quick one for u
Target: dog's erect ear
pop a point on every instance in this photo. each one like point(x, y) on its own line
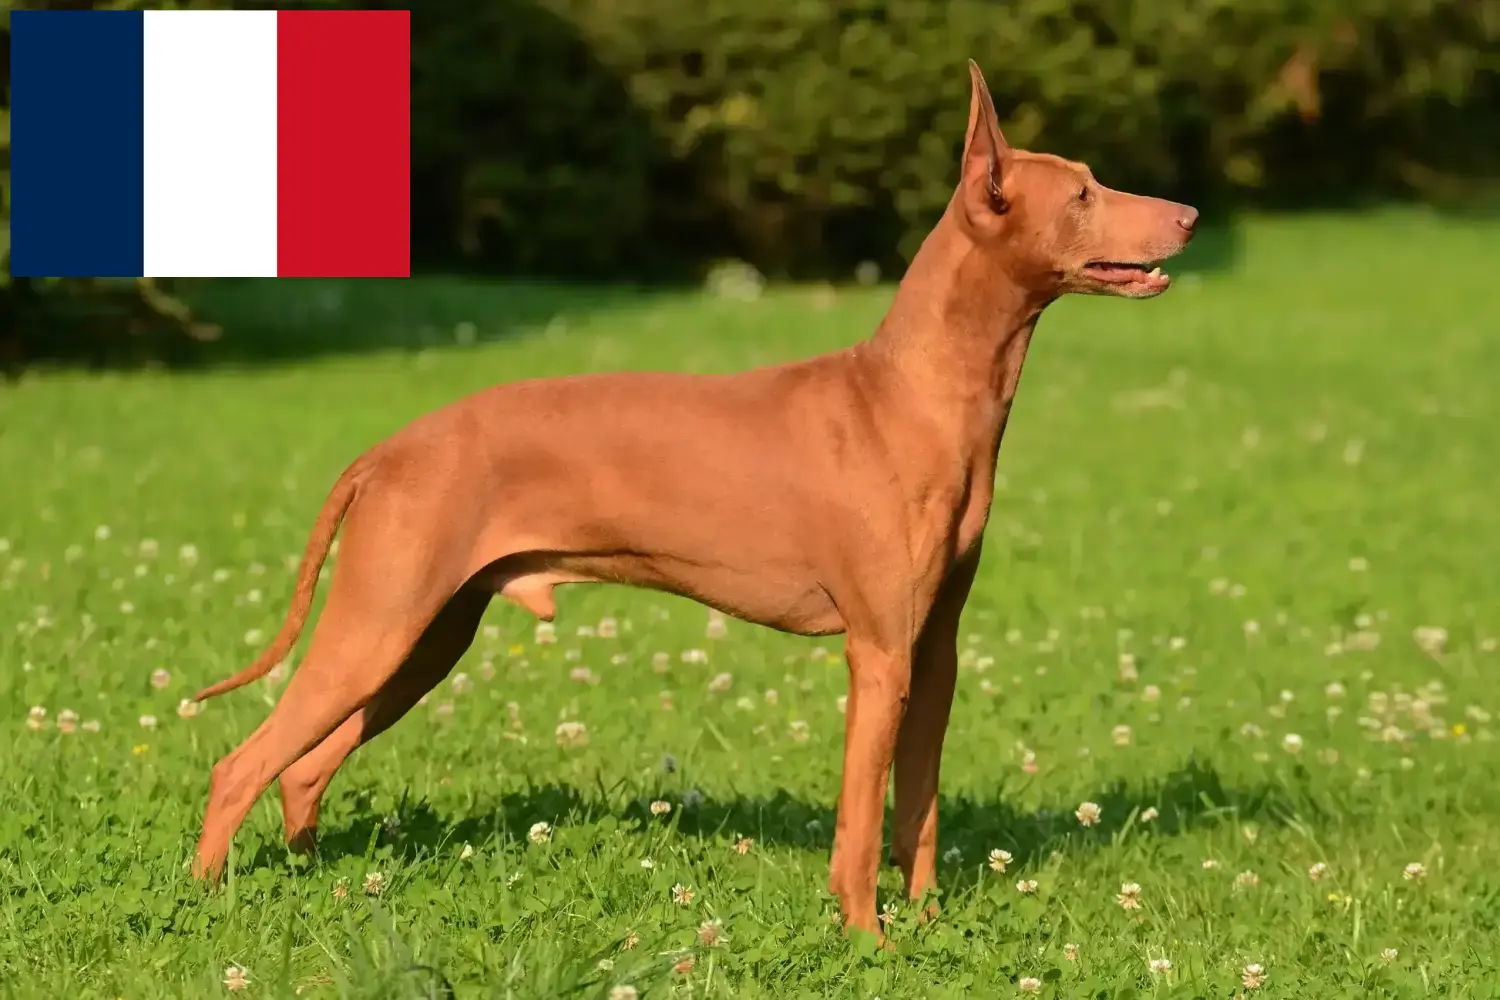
point(984, 153)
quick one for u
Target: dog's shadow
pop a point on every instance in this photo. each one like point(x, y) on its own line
point(1188, 798)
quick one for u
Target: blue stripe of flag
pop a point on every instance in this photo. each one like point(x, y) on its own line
point(77, 143)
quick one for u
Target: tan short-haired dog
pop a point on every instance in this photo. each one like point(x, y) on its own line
point(847, 493)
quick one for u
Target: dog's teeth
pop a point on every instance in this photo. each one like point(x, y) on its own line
point(1155, 273)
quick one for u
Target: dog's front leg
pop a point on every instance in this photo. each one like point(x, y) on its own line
point(879, 684)
point(919, 748)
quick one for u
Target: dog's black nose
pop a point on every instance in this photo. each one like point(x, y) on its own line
point(1187, 217)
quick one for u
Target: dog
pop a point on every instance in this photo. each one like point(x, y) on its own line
point(844, 494)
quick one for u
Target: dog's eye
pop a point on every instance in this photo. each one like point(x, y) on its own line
point(1083, 193)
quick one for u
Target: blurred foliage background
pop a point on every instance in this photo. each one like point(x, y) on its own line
point(646, 139)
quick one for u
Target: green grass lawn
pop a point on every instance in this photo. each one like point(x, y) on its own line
point(1241, 592)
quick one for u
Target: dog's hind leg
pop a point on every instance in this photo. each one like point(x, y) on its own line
point(386, 591)
point(431, 659)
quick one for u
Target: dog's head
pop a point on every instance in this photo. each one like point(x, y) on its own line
point(1049, 223)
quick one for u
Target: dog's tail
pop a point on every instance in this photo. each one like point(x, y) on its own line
point(318, 544)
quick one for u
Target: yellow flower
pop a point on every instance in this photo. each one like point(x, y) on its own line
point(139, 749)
point(1459, 729)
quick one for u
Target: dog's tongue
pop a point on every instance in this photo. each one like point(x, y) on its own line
point(1118, 272)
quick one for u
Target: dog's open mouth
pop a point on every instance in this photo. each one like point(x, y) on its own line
point(1136, 277)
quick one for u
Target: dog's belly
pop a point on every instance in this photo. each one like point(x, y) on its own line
point(785, 598)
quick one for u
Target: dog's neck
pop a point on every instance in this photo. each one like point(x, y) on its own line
point(958, 330)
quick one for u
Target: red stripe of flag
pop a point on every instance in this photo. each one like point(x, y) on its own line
point(343, 143)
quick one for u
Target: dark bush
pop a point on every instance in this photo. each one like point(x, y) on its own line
point(817, 130)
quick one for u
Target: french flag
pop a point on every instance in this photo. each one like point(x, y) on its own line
point(243, 143)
